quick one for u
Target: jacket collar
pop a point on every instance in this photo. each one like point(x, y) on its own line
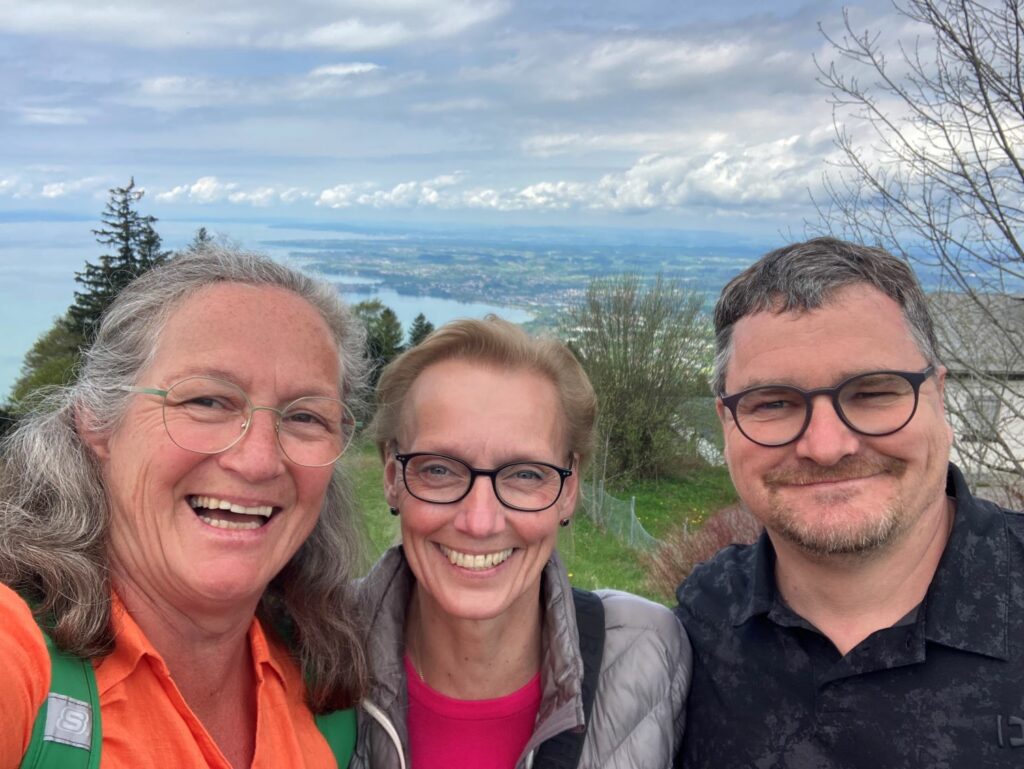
point(387, 590)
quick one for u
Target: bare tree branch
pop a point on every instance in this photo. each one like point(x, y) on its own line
point(930, 134)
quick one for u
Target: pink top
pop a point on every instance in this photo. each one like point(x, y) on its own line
point(446, 733)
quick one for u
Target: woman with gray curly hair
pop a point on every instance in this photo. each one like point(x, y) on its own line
point(177, 512)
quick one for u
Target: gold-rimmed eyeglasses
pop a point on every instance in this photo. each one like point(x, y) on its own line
point(210, 415)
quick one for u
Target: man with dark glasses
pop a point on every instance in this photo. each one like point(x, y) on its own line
point(879, 619)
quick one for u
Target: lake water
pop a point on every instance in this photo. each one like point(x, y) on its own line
point(38, 261)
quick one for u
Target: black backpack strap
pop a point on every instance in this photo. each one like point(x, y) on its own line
point(563, 751)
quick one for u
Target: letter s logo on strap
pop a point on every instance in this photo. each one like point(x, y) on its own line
point(68, 721)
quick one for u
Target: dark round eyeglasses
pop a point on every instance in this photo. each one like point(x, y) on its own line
point(875, 403)
point(528, 487)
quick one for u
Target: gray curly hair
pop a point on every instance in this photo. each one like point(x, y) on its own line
point(54, 514)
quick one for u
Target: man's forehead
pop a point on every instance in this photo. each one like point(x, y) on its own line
point(855, 299)
point(856, 329)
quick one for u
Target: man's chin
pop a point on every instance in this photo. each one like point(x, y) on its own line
point(835, 540)
point(835, 522)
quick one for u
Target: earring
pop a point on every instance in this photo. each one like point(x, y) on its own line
point(564, 522)
point(393, 510)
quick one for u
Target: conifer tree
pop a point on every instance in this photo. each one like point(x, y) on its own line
point(200, 240)
point(7, 421)
point(136, 248)
point(383, 334)
point(419, 329)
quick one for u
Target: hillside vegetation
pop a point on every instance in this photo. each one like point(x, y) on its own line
point(593, 557)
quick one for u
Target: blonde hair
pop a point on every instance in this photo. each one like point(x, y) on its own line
point(496, 342)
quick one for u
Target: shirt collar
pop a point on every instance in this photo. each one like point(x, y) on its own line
point(762, 586)
point(131, 645)
point(966, 603)
point(966, 606)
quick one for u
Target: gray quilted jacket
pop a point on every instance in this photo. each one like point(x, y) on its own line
point(639, 710)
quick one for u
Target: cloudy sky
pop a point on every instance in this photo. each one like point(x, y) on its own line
point(547, 112)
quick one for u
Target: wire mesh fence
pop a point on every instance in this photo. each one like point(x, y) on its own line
point(616, 516)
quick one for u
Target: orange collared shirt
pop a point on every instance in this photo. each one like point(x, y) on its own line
point(146, 722)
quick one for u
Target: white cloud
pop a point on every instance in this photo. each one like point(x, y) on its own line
point(295, 194)
point(340, 196)
point(271, 24)
point(756, 176)
point(705, 64)
point(344, 70)
point(210, 189)
point(51, 115)
point(428, 194)
point(354, 80)
point(718, 173)
point(14, 187)
point(261, 196)
point(471, 104)
point(207, 189)
point(553, 196)
point(643, 142)
point(447, 180)
point(352, 35)
point(53, 190)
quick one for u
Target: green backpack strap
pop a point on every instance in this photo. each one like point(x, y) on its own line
point(339, 729)
point(67, 733)
point(339, 726)
point(68, 727)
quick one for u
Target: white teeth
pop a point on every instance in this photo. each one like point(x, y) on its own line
point(475, 562)
point(212, 503)
point(229, 524)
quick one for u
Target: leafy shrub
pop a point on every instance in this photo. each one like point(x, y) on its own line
point(681, 549)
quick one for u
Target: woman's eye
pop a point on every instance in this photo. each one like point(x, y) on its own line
point(205, 401)
point(527, 475)
point(435, 470)
point(306, 418)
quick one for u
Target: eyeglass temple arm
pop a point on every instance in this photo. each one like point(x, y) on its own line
point(143, 390)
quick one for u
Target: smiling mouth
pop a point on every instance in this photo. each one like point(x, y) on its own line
point(475, 562)
point(222, 514)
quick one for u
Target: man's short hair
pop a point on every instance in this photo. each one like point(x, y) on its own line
point(805, 276)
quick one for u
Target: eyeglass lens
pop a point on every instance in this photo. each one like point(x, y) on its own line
point(872, 404)
point(210, 415)
point(529, 486)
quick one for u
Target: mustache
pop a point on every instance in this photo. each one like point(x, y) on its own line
point(846, 469)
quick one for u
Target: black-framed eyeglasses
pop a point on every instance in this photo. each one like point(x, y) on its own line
point(208, 415)
point(528, 487)
point(875, 403)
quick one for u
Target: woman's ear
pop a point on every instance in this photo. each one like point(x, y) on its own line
point(392, 478)
point(570, 490)
point(96, 440)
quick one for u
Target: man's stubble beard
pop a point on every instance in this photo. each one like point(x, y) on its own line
point(857, 537)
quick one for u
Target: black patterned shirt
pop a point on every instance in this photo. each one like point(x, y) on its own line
point(943, 689)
